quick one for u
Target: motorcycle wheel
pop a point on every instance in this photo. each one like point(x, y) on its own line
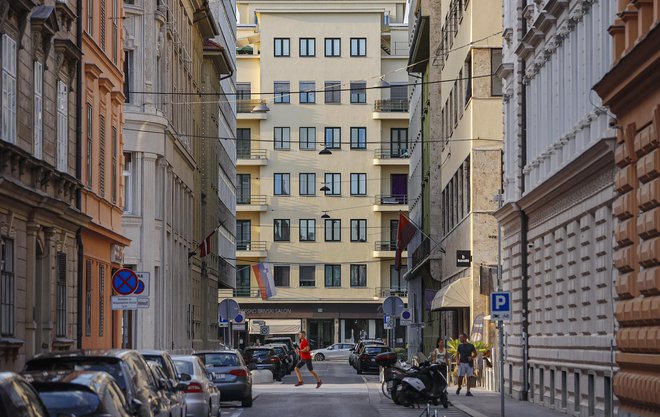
point(436, 401)
point(444, 400)
point(396, 396)
point(386, 390)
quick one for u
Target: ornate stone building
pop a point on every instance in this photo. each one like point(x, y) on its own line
point(40, 218)
point(631, 90)
point(557, 215)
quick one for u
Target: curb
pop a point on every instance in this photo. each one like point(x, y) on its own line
point(468, 410)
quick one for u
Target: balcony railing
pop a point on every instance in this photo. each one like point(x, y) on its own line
point(383, 245)
point(251, 153)
point(383, 292)
point(258, 200)
point(392, 199)
point(246, 106)
point(388, 153)
point(251, 245)
point(391, 106)
point(246, 292)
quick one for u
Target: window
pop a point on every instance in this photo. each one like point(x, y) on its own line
point(242, 281)
point(307, 276)
point(333, 137)
point(38, 109)
point(397, 282)
point(358, 46)
point(113, 183)
point(358, 230)
point(495, 81)
point(101, 299)
point(307, 47)
point(398, 142)
point(243, 188)
point(332, 47)
point(60, 295)
point(8, 120)
point(358, 184)
point(307, 184)
point(282, 184)
point(282, 47)
point(282, 92)
point(307, 138)
point(307, 230)
point(243, 143)
point(282, 138)
point(358, 138)
point(128, 185)
point(243, 91)
point(358, 92)
point(90, 144)
point(102, 156)
point(332, 230)
point(332, 92)
point(243, 234)
point(333, 275)
point(128, 75)
point(62, 126)
point(102, 20)
point(115, 40)
point(7, 287)
point(282, 230)
point(88, 297)
point(307, 94)
point(90, 17)
point(333, 181)
point(399, 91)
point(359, 275)
point(468, 79)
point(281, 275)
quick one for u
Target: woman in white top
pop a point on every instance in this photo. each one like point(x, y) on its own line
point(440, 354)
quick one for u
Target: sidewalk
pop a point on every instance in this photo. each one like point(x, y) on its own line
point(487, 404)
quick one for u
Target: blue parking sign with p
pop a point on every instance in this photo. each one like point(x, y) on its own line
point(500, 305)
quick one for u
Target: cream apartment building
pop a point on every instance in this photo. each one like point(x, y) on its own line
point(311, 118)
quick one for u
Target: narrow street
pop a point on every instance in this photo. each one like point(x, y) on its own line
point(343, 394)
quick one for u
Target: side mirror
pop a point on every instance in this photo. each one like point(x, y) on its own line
point(185, 377)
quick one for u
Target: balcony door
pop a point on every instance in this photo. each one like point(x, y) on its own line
point(394, 229)
point(398, 142)
point(399, 187)
point(243, 143)
point(243, 188)
point(242, 280)
point(243, 234)
point(398, 285)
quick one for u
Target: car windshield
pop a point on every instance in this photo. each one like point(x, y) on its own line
point(257, 353)
point(78, 403)
point(278, 350)
point(81, 364)
point(376, 349)
point(156, 358)
point(184, 367)
point(220, 359)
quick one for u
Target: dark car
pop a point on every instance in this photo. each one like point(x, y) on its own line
point(261, 357)
point(285, 356)
point(174, 388)
point(352, 359)
point(79, 393)
point(128, 368)
point(287, 341)
point(366, 361)
point(171, 397)
point(230, 375)
point(18, 398)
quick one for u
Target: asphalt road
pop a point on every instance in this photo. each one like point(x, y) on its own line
point(343, 394)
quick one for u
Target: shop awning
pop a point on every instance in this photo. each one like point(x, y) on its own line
point(276, 326)
point(458, 294)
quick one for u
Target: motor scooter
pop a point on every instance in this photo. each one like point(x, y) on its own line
point(426, 384)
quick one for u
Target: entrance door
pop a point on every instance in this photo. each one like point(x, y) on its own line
point(399, 187)
point(243, 188)
point(243, 235)
point(321, 333)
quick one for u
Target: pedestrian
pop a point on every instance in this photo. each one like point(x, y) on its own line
point(466, 353)
point(439, 354)
point(305, 359)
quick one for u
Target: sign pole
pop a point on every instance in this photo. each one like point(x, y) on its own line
point(500, 323)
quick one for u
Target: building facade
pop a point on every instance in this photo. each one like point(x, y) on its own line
point(164, 56)
point(557, 214)
point(102, 133)
point(40, 218)
point(631, 93)
point(322, 167)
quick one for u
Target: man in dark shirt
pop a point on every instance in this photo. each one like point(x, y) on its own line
point(466, 353)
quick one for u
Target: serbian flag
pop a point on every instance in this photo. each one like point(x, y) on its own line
point(265, 280)
point(404, 235)
point(205, 246)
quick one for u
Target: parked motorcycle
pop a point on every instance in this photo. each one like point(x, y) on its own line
point(428, 383)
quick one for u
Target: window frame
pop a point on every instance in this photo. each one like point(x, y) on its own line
point(494, 79)
point(283, 42)
point(309, 146)
point(282, 143)
point(361, 178)
point(335, 275)
point(300, 275)
point(8, 130)
point(359, 143)
point(7, 281)
point(304, 224)
point(358, 229)
point(38, 109)
point(128, 183)
point(307, 42)
point(332, 90)
point(307, 176)
point(305, 94)
point(335, 141)
point(334, 52)
point(281, 96)
point(334, 230)
point(286, 268)
point(361, 47)
point(62, 126)
point(285, 230)
point(360, 268)
point(358, 90)
point(282, 182)
point(335, 178)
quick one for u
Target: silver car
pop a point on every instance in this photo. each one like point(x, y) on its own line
point(336, 351)
point(202, 396)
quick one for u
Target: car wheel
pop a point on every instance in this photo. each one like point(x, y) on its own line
point(319, 357)
point(247, 402)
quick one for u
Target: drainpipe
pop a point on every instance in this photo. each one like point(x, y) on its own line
point(79, 240)
point(523, 240)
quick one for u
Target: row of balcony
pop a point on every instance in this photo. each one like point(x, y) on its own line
point(379, 292)
point(382, 202)
point(384, 249)
point(382, 156)
point(383, 109)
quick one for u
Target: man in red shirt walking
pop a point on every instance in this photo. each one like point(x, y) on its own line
point(305, 359)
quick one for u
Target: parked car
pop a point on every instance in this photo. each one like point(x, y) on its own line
point(128, 368)
point(263, 357)
point(230, 375)
point(336, 351)
point(175, 394)
point(352, 359)
point(285, 356)
point(287, 341)
point(18, 398)
point(79, 393)
point(202, 396)
point(171, 397)
point(366, 361)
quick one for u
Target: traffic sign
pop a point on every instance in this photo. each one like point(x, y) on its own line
point(388, 322)
point(393, 306)
point(264, 330)
point(120, 302)
point(500, 306)
point(239, 327)
point(227, 308)
point(240, 317)
point(406, 318)
point(125, 281)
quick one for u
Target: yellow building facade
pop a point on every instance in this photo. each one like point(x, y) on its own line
point(322, 167)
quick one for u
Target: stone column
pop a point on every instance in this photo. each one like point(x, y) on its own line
point(30, 316)
point(45, 286)
point(336, 332)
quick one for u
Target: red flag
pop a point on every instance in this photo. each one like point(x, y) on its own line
point(205, 246)
point(404, 235)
